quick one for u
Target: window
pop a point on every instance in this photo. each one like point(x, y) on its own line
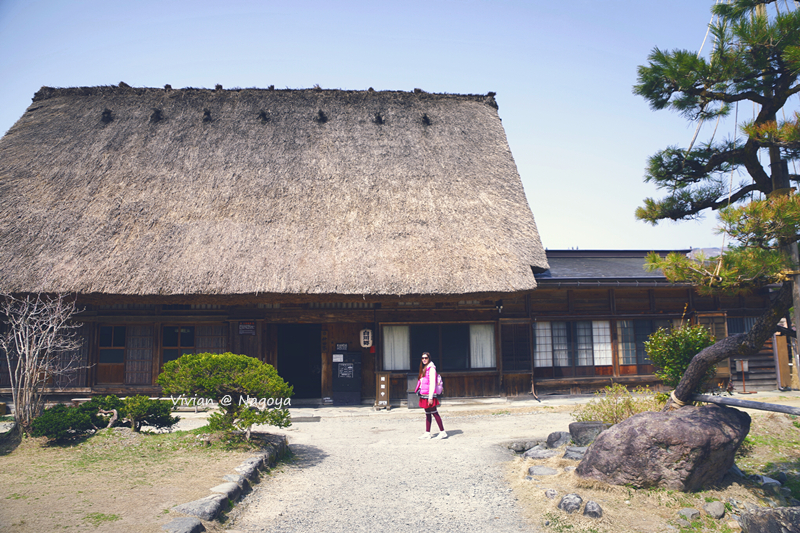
point(176, 341)
point(396, 348)
point(453, 347)
point(580, 348)
point(516, 347)
point(584, 343)
point(739, 325)
point(112, 345)
point(631, 335)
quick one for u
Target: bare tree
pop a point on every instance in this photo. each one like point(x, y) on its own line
point(41, 344)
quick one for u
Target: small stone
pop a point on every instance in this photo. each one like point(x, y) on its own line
point(575, 453)
point(184, 525)
point(683, 523)
point(538, 470)
point(551, 494)
point(569, 469)
point(735, 471)
point(782, 477)
point(539, 453)
point(557, 439)
point(517, 447)
point(734, 525)
point(583, 433)
point(570, 503)
point(750, 506)
point(689, 514)
point(715, 510)
point(592, 510)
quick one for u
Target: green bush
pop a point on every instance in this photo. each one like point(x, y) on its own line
point(142, 411)
point(248, 391)
point(672, 351)
point(615, 403)
point(61, 423)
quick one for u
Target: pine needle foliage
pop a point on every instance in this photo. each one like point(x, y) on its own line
point(756, 59)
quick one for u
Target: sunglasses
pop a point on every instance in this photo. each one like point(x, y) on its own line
point(424, 358)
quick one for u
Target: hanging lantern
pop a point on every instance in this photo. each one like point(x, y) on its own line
point(366, 338)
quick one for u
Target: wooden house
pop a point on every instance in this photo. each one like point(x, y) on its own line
point(282, 224)
point(593, 310)
point(275, 223)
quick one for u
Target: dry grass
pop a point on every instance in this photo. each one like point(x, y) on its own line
point(774, 445)
point(114, 481)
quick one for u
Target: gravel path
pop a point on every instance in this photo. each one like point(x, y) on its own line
point(368, 473)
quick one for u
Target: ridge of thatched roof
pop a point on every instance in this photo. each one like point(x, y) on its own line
point(142, 191)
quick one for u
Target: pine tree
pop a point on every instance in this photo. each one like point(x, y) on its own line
point(755, 61)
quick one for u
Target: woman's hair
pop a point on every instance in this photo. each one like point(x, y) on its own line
point(423, 365)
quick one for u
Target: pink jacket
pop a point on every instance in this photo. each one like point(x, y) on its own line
point(423, 385)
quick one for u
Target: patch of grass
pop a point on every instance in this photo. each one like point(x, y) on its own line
point(615, 403)
point(496, 413)
point(16, 496)
point(98, 518)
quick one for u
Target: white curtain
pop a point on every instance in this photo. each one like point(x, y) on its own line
point(481, 344)
point(543, 356)
point(601, 340)
point(396, 348)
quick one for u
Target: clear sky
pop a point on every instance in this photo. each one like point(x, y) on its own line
point(562, 71)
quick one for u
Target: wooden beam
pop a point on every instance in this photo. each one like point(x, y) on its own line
point(746, 404)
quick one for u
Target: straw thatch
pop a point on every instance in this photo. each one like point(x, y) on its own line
point(119, 190)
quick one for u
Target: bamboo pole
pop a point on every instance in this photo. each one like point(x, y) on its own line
point(746, 404)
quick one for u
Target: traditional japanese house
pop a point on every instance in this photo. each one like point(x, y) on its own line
point(276, 223)
point(594, 309)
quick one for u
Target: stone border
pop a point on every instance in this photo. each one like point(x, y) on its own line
point(226, 494)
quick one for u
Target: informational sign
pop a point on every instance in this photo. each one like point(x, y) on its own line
point(346, 370)
point(342, 346)
point(338, 357)
point(247, 328)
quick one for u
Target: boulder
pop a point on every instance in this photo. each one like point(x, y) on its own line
point(583, 433)
point(780, 520)
point(570, 503)
point(557, 439)
point(679, 450)
point(592, 510)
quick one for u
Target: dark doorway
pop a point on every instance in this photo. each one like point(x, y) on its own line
point(300, 358)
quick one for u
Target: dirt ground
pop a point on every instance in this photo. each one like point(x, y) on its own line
point(116, 481)
point(119, 481)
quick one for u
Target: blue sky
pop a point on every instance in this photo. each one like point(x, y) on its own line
point(562, 71)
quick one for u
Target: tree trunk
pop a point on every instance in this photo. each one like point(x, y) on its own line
point(740, 345)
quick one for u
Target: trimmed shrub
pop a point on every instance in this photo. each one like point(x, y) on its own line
point(248, 391)
point(61, 423)
point(142, 411)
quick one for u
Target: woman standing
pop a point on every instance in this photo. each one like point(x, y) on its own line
point(426, 388)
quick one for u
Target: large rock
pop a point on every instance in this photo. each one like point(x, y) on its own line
point(583, 433)
point(679, 450)
point(781, 520)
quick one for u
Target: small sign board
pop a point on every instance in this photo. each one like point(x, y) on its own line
point(346, 370)
point(342, 346)
point(338, 357)
point(247, 328)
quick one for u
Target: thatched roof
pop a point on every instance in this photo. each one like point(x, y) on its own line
point(129, 191)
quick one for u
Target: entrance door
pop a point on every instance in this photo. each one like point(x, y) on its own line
point(300, 358)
